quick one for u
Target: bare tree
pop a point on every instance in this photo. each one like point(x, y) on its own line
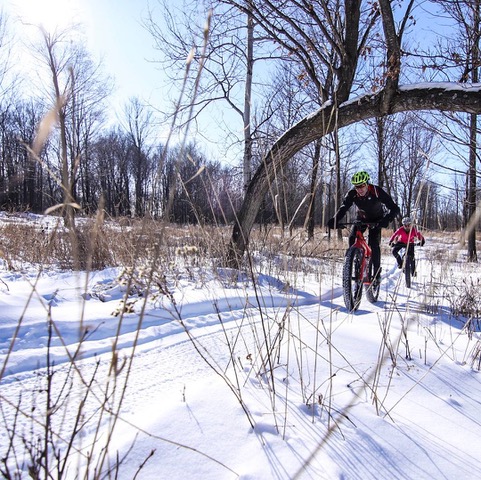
point(76, 91)
point(55, 53)
point(460, 53)
point(110, 158)
point(25, 116)
point(7, 82)
point(233, 50)
point(139, 128)
point(86, 117)
point(415, 146)
point(469, 13)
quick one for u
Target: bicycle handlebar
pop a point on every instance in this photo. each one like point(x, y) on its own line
point(358, 223)
point(415, 244)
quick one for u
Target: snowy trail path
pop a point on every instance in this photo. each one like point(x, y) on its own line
point(68, 302)
point(431, 400)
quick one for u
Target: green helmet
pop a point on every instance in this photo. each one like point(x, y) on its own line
point(360, 177)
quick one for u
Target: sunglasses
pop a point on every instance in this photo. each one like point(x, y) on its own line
point(358, 187)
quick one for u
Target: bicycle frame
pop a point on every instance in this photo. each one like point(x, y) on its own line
point(408, 262)
point(361, 243)
point(356, 270)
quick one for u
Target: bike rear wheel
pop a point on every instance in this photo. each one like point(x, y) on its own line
point(372, 291)
point(352, 279)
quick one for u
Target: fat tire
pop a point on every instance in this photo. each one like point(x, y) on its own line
point(408, 271)
point(351, 278)
point(372, 291)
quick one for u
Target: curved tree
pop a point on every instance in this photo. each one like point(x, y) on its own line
point(349, 35)
point(440, 97)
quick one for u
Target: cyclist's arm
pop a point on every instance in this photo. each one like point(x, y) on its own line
point(391, 205)
point(395, 237)
point(345, 206)
point(420, 238)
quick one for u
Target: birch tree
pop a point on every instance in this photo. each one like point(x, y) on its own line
point(465, 51)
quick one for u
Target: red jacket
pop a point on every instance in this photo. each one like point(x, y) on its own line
point(401, 235)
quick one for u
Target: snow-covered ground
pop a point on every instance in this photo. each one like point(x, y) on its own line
point(220, 377)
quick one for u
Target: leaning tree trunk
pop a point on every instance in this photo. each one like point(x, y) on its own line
point(442, 97)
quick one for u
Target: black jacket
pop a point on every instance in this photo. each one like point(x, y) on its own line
point(373, 207)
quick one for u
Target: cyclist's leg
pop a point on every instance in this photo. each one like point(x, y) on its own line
point(395, 252)
point(374, 242)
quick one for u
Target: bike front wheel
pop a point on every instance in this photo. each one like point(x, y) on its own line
point(352, 278)
point(372, 291)
point(408, 270)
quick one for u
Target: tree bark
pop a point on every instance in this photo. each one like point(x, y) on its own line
point(311, 211)
point(471, 193)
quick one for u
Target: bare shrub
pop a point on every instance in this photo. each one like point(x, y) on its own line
point(56, 419)
point(466, 300)
point(24, 243)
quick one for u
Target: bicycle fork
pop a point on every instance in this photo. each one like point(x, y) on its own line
point(366, 256)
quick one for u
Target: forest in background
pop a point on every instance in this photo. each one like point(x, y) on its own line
point(421, 158)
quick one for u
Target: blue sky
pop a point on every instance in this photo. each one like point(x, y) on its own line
point(115, 35)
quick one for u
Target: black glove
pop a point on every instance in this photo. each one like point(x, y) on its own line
point(391, 244)
point(423, 242)
point(330, 222)
point(385, 221)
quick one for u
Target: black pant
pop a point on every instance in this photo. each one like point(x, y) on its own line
point(395, 251)
point(374, 241)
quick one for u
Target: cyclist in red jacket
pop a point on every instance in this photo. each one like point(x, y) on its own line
point(406, 235)
point(374, 206)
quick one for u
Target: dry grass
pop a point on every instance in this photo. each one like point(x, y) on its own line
point(121, 242)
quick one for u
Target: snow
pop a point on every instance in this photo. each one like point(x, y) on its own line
point(446, 86)
point(389, 392)
point(453, 86)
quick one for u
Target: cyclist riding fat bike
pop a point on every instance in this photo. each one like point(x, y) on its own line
point(405, 236)
point(375, 206)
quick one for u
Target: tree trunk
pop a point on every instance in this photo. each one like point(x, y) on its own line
point(472, 255)
point(338, 175)
point(247, 101)
point(471, 193)
point(311, 211)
